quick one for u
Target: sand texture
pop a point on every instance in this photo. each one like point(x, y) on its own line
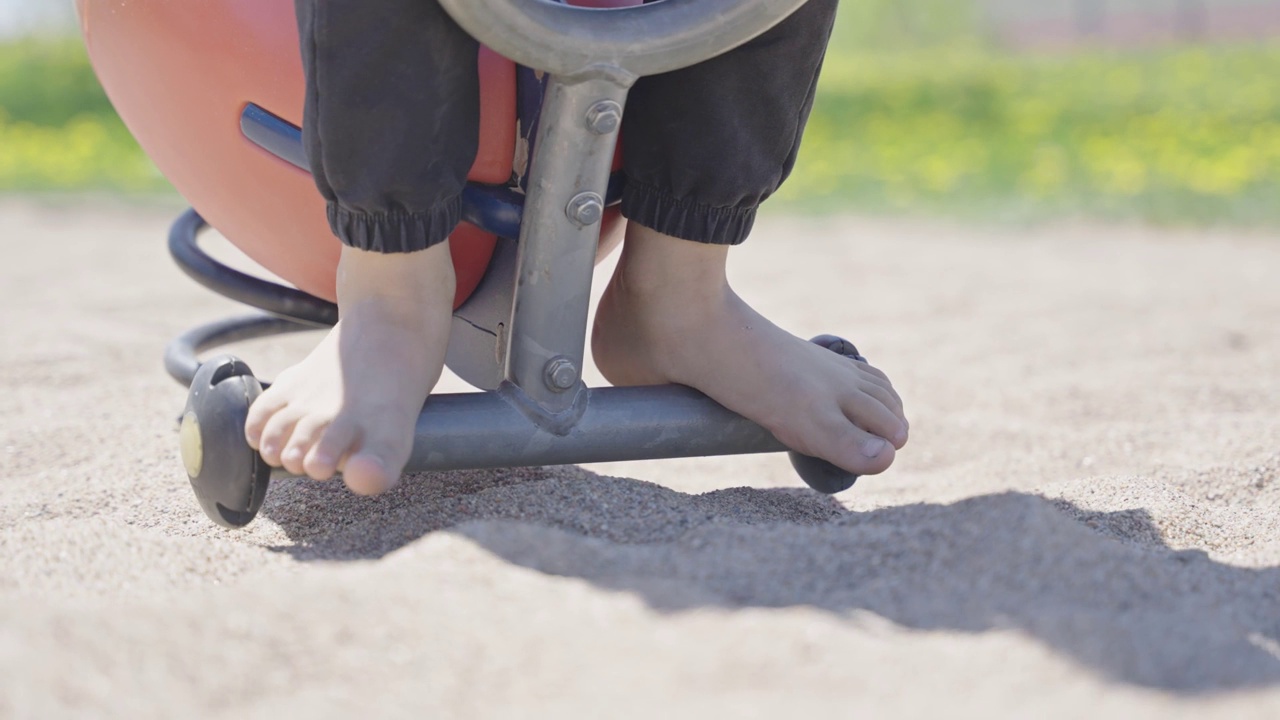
point(1086, 522)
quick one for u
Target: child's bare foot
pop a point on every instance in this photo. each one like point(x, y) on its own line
point(669, 315)
point(351, 405)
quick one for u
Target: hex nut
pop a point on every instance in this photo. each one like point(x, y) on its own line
point(585, 208)
point(561, 374)
point(604, 117)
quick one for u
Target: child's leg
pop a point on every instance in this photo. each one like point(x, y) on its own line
point(704, 146)
point(390, 128)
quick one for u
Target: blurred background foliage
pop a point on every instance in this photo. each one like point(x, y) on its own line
point(959, 108)
point(924, 107)
point(57, 129)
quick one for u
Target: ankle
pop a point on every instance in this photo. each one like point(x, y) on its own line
point(423, 279)
point(662, 268)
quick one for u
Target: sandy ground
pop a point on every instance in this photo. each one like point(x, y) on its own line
point(1084, 523)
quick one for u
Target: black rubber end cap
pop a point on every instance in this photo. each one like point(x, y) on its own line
point(821, 475)
point(229, 478)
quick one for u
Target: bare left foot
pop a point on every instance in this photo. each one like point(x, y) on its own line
point(352, 404)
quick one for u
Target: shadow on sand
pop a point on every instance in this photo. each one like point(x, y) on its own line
point(1101, 588)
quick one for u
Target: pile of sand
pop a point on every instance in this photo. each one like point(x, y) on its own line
point(1087, 517)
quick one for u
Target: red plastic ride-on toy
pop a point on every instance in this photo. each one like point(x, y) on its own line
point(213, 92)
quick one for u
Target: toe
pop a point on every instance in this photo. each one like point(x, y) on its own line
point(260, 412)
point(373, 470)
point(858, 451)
point(875, 454)
point(876, 373)
point(367, 474)
point(869, 376)
point(321, 463)
point(305, 434)
point(275, 436)
point(832, 437)
point(894, 405)
point(871, 414)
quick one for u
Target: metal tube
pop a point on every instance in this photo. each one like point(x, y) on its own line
point(644, 40)
point(480, 430)
point(277, 299)
point(558, 241)
point(181, 355)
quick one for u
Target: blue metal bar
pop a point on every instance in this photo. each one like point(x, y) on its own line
point(494, 209)
point(275, 135)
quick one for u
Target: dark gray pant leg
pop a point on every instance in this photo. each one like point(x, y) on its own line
point(704, 146)
point(391, 124)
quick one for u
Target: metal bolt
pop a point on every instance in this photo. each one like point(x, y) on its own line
point(604, 117)
point(585, 208)
point(561, 374)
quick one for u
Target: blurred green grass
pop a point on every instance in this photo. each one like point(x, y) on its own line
point(1185, 135)
point(916, 113)
point(58, 132)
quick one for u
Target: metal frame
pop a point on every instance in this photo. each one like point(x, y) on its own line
point(522, 333)
point(593, 56)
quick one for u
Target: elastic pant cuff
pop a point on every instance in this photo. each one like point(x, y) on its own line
point(684, 218)
point(395, 231)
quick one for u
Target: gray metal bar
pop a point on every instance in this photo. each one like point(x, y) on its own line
point(558, 239)
point(644, 40)
point(480, 430)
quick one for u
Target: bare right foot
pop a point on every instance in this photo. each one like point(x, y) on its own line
point(352, 404)
point(669, 316)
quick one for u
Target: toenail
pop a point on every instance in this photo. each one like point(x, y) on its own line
point(872, 447)
point(326, 459)
point(901, 437)
point(268, 449)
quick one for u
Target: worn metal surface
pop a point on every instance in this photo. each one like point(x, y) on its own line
point(644, 40)
point(478, 430)
point(558, 240)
